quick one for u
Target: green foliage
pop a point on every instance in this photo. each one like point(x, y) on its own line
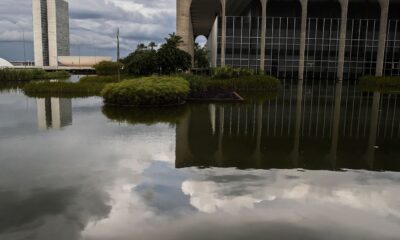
point(147, 91)
point(230, 72)
point(56, 75)
point(245, 83)
point(200, 57)
point(148, 116)
point(105, 68)
point(381, 84)
point(171, 59)
point(141, 62)
point(102, 79)
point(58, 89)
point(30, 74)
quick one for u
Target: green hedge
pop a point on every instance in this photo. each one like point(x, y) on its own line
point(103, 79)
point(148, 116)
point(58, 89)
point(230, 72)
point(106, 68)
point(30, 74)
point(383, 84)
point(245, 83)
point(147, 91)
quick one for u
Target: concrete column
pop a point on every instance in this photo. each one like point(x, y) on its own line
point(336, 125)
point(373, 130)
point(263, 34)
point(37, 33)
point(344, 4)
point(382, 37)
point(223, 33)
point(52, 32)
point(294, 155)
point(184, 25)
point(303, 33)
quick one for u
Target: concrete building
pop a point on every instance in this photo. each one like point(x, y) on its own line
point(81, 61)
point(297, 39)
point(50, 31)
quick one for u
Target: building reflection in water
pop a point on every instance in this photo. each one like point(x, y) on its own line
point(54, 113)
point(322, 126)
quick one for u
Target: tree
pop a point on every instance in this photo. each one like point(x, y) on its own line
point(152, 45)
point(200, 57)
point(141, 47)
point(105, 68)
point(141, 62)
point(170, 58)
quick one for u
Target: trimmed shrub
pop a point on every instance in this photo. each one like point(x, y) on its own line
point(106, 68)
point(147, 91)
point(383, 84)
point(102, 79)
point(57, 75)
point(248, 83)
point(230, 72)
point(57, 89)
point(30, 74)
point(148, 116)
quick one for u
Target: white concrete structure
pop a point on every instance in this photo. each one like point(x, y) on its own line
point(4, 63)
point(50, 31)
point(81, 61)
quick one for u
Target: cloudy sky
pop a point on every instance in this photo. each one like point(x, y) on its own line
point(93, 25)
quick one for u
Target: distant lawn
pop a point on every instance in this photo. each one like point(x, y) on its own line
point(62, 89)
point(23, 75)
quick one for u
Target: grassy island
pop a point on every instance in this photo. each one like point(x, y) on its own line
point(147, 91)
point(381, 84)
point(62, 89)
point(23, 75)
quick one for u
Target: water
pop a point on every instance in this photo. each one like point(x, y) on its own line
point(316, 162)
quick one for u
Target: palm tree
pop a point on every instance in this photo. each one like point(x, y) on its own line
point(174, 40)
point(152, 45)
point(141, 47)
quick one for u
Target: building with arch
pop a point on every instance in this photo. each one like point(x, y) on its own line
point(297, 39)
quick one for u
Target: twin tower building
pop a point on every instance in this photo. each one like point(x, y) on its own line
point(297, 39)
point(50, 31)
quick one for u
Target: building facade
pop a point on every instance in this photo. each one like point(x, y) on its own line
point(297, 39)
point(50, 31)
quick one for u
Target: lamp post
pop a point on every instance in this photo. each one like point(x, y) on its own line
point(23, 39)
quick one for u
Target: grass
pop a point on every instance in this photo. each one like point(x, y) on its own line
point(244, 83)
point(148, 116)
point(103, 79)
point(21, 75)
point(381, 84)
point(62, 89)
point(147, 91)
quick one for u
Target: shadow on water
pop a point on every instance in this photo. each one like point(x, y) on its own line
point(148, 116)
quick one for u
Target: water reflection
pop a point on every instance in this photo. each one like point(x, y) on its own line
point(53, 113)
point(326, 126)
point(112, 174)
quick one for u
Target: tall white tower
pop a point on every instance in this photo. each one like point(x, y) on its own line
point(50, 31)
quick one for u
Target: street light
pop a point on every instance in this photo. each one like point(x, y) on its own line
point(23, 39)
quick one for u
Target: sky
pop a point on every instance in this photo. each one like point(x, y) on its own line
point(93, 25)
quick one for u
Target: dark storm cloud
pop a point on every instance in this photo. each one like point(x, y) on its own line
point(93, 24)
